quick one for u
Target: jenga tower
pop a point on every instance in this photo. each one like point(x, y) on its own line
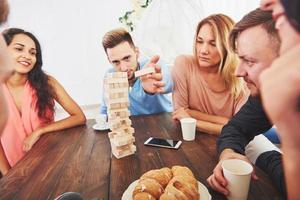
point(116, 96)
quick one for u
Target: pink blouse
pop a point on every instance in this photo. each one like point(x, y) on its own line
point(20, 124)
point(191, 91)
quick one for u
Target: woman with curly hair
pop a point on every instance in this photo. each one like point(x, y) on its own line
point(31, 94)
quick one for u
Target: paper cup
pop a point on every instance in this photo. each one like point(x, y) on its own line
point(101, 119)
point(188, 127)
point(238, 175)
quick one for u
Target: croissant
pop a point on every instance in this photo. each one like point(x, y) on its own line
point(143, 196)
point(177, 183)
point(163, 175)
point(183, 185)
point(179, 170)
point(149, 186)
point(181, 190)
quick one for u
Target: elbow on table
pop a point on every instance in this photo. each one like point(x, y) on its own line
point(80, 119)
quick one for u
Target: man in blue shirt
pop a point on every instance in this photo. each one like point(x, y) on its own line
point(147, 94)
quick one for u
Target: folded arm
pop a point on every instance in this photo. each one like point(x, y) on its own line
point(205, 123)
point(75, 118)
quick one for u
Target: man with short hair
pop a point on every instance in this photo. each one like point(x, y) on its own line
point(257, 44)
point(147, 94)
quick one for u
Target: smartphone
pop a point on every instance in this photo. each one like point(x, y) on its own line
point(166, 143)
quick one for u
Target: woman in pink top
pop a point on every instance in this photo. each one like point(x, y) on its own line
point(30, 96)
point(205, 86)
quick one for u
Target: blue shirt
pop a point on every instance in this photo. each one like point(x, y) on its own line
point(143, 103)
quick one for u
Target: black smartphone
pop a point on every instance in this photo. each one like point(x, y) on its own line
point(166, 143)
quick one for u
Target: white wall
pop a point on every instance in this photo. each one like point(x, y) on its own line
point(70, 33)
point(236, 9)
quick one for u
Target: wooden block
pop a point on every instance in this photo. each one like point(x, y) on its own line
point(108, 86)
point(118, 100)
point(115, 135)
point(125, 84)
point(117, 106)
point(125, 104)
point(115, 81)
point(116, 111)
point(114, 114)
point(119, 95)
point(123, 130)
point(121, 141)
point(116, 90)
point(119, 123)
point(121, 148)
point(116, 75)
point(121, 154)
point(114, 106)
point(144, 71)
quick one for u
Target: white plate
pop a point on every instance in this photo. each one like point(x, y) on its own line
point(99, 127)
point(203, 191)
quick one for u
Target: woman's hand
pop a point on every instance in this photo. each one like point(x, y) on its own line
point(31, 139)
point(180, 113)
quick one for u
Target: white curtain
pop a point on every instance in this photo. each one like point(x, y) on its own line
point(167, 28)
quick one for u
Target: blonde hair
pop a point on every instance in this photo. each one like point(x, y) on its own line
point(221, 26)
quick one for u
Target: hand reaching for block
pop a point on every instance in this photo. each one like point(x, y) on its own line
point(151, 77)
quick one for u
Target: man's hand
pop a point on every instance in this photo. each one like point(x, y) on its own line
point(180, 113)
point(152, 83)
point(280, 92)
point(217, 180)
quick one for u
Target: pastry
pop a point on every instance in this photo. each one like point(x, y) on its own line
point(150, 186)
point(163, 175)
point(177, 183)
point(180, 170)
point(143, 196)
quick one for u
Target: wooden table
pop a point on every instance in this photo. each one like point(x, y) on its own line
point(79, 159)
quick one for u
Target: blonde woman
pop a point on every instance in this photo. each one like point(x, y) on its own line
point(205, 85)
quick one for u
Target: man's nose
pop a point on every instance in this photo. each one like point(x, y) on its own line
point(240, 71)
point(124, 67)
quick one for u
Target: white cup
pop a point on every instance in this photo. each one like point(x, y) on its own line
point(101, 119)
point(238, 175)
point(188, 127)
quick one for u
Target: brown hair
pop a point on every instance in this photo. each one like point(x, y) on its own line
point(3, 11)
point(221, 26)
point(254, 18)
point(115, 37)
